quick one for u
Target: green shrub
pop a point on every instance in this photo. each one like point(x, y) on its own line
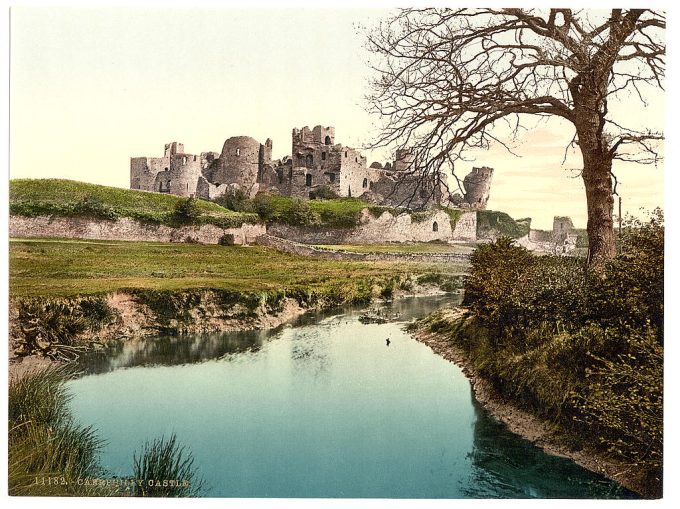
point(186, 211)
point(236, 200)
point(623, 401)
point(582, 349)
point(491, 223)
point(323, 193)
point(263, 205)
point(301, 214)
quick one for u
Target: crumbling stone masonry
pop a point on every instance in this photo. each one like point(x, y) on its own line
point(316, 162)
point(477, 185)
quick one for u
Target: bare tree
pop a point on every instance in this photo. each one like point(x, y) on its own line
point(447, 78)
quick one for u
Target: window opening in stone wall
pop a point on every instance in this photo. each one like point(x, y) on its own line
point(308, 180)
point(365, 184)
point(328, 140)
point(435, 227)
point(310, 160)
point(194, 158)
point(238, 151)
point(323, 156)
point(345, 153)
point(184, 161)
point(331, 177)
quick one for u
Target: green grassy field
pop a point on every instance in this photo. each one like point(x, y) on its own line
point(32, 197)
point(72, 267)
point(405, 247)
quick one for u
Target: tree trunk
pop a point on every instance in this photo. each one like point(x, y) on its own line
point(600, 202)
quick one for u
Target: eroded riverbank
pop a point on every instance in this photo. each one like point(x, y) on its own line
point(41, 326)
point(540, 432)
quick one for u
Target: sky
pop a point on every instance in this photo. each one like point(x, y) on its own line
point(92, 87)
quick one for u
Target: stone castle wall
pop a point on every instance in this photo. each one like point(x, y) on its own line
point(298, 249)
point(127, 229)
point(385, 228)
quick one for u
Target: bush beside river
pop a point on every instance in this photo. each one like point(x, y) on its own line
point(583, 351)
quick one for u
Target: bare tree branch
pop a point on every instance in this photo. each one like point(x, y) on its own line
point(447, 78)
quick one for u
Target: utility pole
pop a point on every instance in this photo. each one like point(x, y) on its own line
point(620, 223)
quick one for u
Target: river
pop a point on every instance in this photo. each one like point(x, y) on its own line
point(322, 407)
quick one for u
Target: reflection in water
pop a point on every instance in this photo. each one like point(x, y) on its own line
point(309, 356)
point(319, 408)
point(505, 465)
point(173, 350)
point(178, 350)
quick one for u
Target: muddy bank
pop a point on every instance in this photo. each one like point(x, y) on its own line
point(36, 341)
point(540, 432)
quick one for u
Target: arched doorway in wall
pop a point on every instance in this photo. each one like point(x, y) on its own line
point(327, 141)
point(308, 180)
point(365, 183)
point(435, 226)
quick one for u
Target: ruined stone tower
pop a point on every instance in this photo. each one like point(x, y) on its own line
point(240, 163)
point(477, 184)
point(404, 160)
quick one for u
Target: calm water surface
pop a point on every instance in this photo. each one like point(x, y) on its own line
point(322, 408)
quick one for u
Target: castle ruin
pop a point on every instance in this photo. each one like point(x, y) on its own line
point(477, 185)
point(316, 162)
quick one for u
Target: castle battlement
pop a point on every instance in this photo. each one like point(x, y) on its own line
point(316, 162)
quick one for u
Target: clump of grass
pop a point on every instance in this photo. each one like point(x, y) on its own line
point(167, 470)
point(445, 282)
point(49, 452)
point(45, 442)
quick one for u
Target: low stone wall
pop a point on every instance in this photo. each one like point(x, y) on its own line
point(298, 249)
point(127, 229)
point(386, 228)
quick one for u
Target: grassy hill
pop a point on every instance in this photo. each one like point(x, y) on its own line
point(34, 197)
point(333, 213)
